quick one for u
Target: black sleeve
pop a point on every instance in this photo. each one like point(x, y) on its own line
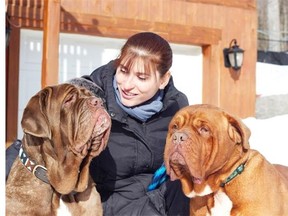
point(11, 154)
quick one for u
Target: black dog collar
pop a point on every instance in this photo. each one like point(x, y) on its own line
point(37, 170)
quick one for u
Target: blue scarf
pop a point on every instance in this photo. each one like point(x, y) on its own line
point(144, 111)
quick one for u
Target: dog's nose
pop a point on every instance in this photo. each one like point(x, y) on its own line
point(97, 102)
point(179, 137)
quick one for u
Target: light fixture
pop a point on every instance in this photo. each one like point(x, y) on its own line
point(233, 56)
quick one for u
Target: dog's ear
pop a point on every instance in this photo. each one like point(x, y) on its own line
point(238, 131)
point(34, 120)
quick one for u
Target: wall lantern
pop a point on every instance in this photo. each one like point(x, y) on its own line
point(233, 56)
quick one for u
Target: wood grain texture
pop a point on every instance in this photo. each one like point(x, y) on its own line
point(50, 56)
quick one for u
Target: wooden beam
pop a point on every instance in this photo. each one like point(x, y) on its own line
point(245, 4)
point(211, 75)
point(12, 85)
point(117, 27)
point(91, 24)
point(50, 56)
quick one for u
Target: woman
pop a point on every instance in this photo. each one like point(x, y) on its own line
point(141, 100)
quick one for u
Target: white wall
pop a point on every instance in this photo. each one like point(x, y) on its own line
point(187, 71)
point(80, 55)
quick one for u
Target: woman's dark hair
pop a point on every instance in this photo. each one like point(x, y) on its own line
point(154, 50)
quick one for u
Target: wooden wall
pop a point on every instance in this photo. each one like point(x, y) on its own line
point(211, 24)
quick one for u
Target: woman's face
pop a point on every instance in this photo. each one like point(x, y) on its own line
point(136, 85)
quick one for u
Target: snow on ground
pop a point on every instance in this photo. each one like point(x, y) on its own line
point(271, 79)
point(270, 137)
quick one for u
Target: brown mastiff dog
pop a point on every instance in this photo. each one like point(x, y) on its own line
point(208, 150)
point(64, 128)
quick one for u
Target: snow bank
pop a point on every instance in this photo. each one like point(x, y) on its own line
point(270, 137)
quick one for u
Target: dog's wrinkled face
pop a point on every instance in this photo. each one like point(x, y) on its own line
point(197, 135)
point(70, 126)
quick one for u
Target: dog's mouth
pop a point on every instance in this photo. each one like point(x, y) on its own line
point(100, 134)
point(180, 169)
point(98, 139)
point(94, 135)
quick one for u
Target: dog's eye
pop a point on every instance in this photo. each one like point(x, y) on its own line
point(204, 130)
point(174, 126)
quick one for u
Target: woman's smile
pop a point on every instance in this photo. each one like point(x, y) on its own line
point(127, 95)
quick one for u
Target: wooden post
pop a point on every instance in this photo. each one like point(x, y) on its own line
point(50, 56)
point(12, 85)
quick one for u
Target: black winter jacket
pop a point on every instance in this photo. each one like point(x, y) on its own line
point(124, 169)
